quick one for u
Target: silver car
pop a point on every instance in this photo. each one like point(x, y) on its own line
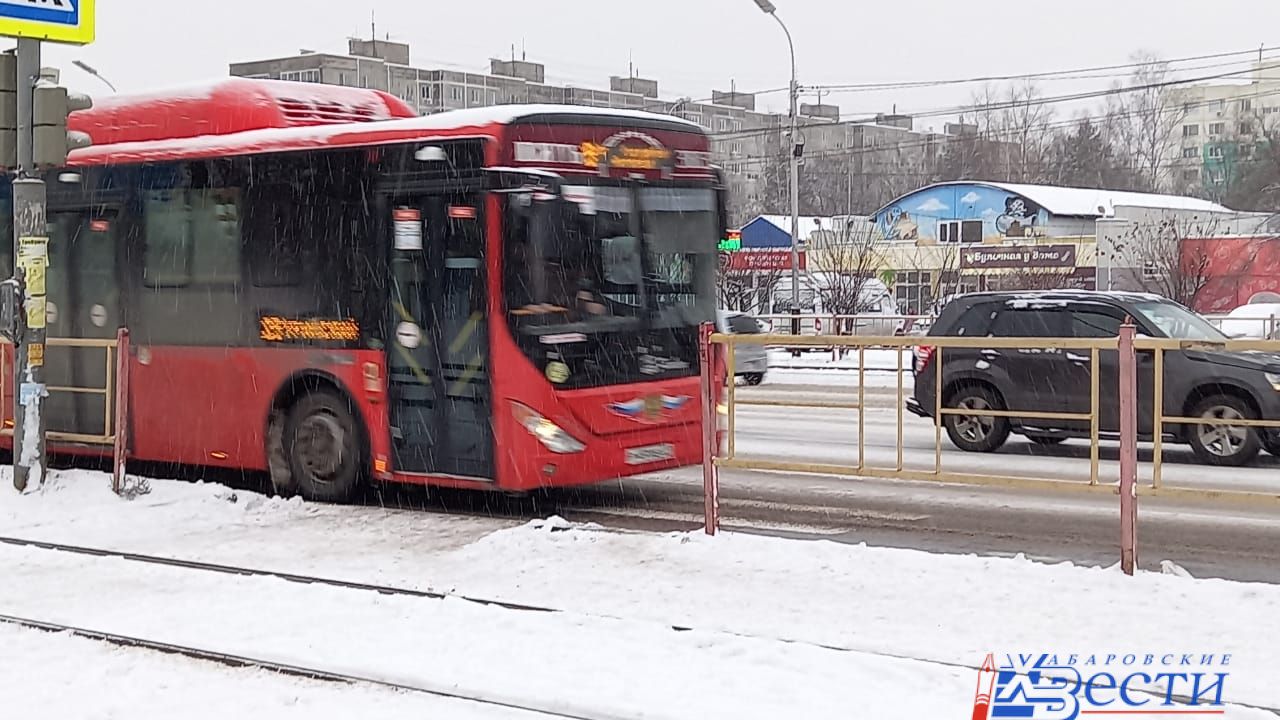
point(750, 362)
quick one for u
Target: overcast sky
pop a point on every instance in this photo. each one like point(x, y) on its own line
point(689, 46)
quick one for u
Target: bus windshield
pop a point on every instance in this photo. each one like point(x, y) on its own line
point(611, 281)
point(615, 258)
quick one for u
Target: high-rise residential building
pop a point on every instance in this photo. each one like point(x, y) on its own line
point(1218, 126)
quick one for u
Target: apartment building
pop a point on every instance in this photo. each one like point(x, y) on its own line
point(1220, 125)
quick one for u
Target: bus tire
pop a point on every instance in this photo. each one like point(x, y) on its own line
point(322, 444)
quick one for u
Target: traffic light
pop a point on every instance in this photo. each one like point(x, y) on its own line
point(51, 104)
point(8, 111)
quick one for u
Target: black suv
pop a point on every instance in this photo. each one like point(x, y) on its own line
point(1198, 382)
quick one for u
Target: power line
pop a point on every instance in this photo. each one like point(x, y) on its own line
point(989, 136)
point(1045, 74)
point(1012, 104)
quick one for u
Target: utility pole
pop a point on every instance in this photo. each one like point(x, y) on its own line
point(795, 150)
point(33, 135)
point(31, 251)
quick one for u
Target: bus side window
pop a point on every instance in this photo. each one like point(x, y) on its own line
point(192, 233)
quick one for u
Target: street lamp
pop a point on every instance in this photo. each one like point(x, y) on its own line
point(768, 8)
point(87, 68)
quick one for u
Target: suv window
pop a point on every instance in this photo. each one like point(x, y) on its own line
point(1094, 324)
point(975, 321)
point(1028, 322)
point(743, 325)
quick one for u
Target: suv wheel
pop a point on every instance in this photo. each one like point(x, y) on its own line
point(1230, 445)
point(976, 433)
point(754, 378)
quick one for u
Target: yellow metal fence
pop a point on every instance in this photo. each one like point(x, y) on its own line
point(109, 348)
point(726, 454)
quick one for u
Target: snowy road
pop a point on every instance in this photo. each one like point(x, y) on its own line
point(773, 628)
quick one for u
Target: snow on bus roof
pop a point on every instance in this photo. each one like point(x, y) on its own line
point(511, 113)
point(451, 124)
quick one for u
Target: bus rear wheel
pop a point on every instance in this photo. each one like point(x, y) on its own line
point(322, 444)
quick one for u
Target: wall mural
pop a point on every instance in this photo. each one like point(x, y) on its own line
point(931, 214)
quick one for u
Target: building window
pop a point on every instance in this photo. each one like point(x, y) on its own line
point(913, 291)
point(1190, 152)
point(960, 231)
point(455, 92)
point(1215, 152)
point(311, 76)
point(1150, 271)
point(1190, 130)
point(474, 96)
point(1217, 128)
point(1246, 152)
point(1246, 105)
point(424, 91)
point(1222, 105)
point(1246, 128)
point(1191, 176)
point(735, 148)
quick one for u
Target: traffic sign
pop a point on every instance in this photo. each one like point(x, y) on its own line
point(63, 21)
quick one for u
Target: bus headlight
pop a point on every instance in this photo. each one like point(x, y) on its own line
point(552, 436)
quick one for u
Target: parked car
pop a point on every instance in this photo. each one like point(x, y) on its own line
point(750, 362)
point(1201, 383)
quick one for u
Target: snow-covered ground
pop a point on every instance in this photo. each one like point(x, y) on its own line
point(782, 628)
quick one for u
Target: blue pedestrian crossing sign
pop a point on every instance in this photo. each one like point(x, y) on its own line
point(61, 21)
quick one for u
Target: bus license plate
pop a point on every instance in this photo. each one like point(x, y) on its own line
point(650, 454)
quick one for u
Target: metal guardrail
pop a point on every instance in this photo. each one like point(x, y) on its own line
point(1266, 327)
point(717, 352)
point(721, 353)
point(820, 324)
point(115, 393)
point(902, 344)
point(1159, 346)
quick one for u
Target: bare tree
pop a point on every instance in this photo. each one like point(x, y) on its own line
point(1152, 117)
point(1157, 257)
point(842, 262)
point(744, 289)
point(1032, 278)
point(1255, 185)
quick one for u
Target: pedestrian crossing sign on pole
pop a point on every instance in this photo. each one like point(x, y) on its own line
point(61, 21)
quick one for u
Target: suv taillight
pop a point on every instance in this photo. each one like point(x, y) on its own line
point(924, 353)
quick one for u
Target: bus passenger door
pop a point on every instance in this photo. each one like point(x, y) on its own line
point(437, 349)
point(84, 303)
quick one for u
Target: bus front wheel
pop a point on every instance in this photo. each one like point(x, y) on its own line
point(322, 444)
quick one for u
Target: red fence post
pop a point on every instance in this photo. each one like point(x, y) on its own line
point(710, 424)
point(121, 449)
point(1128, 449)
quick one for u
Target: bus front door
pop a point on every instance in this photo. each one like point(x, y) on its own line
point(83, 302)
point(437, 345)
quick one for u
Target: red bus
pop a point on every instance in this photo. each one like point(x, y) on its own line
point(319, 285)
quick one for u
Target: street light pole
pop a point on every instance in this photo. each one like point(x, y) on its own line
point(87, 68)
point(794, 166)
